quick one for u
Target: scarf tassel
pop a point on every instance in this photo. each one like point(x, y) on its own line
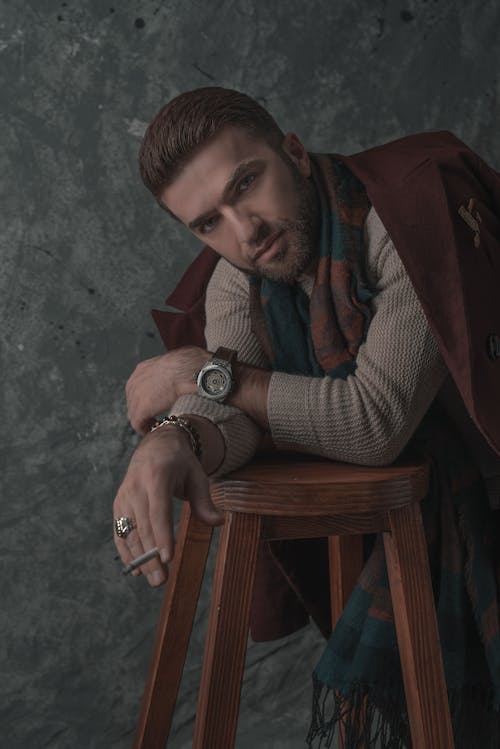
point(370, 719)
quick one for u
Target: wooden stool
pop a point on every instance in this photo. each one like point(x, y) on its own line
point(276, 498)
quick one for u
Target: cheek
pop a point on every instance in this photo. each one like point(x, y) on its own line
point(224, 242)
point(279, 197)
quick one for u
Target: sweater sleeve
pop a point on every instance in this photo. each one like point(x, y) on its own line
point(228, 324)
point(369, 417)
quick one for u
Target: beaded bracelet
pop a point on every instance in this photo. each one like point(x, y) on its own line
point(178, 421)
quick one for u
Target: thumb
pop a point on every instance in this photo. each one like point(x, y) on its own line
point(145, 425)
point(198, 494)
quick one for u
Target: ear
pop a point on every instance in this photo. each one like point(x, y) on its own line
point(293, 146)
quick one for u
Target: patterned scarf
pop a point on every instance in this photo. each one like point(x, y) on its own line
point(358, 690)
point(321, 336)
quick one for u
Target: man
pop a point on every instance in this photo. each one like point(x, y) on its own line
point(315, 334)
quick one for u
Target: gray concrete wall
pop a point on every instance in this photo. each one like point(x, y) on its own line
point(85, 253)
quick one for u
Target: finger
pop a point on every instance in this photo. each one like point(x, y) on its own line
point(162, 522)
point(145, 425)
point(122, 548)
point(138, 545)
point(121, 510)
point(125, 554)
point(131, 387)
point(134, 410)
point(134, 544)
point(154, 570)
point(139, 413)
point(136, 385)
point(140, 422)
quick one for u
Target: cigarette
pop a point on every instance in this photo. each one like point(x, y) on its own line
point(135, 563)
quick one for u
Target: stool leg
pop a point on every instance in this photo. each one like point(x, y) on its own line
point(173, 631)
point(345, 555)
point(229, 620)
point(417, 630)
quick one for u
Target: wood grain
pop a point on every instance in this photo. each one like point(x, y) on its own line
point(274, 487)
point(319, 526)
point(272, 499)
point(417, 631)
point(173, 631)
point(227, 635)
point(345, 554)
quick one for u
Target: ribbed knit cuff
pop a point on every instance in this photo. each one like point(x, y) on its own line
point(241, 435)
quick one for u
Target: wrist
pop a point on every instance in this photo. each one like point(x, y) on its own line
point(183, 424)
point(215, 380)
point(250, 394)
point(168, 440)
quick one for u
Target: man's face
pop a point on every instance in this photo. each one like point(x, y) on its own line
point(255, 207)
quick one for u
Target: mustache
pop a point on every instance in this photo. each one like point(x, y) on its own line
point(265, 231)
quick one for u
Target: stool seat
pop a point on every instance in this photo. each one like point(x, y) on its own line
point(288, 485)
point(293, 496)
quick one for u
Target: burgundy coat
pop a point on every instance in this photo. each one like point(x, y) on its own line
point(441, 206)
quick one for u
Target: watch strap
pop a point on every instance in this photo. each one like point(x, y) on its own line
point(226, 354)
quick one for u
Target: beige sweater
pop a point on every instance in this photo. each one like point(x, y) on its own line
point(367, 418)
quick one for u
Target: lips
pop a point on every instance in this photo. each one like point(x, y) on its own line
point(270, 248)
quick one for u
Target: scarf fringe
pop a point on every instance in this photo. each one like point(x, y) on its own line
point(371, 719)
point(362, 720)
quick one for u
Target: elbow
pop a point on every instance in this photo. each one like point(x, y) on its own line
point(384, 450)
point(379, 449)
point(381, 458)
point(373, 453)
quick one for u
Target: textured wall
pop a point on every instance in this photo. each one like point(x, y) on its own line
point(85, 254)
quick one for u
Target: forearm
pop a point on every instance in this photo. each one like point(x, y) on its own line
point(349, 420)
point(370, 416)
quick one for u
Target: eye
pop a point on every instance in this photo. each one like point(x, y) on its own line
point(207, 226)
point(246, 182)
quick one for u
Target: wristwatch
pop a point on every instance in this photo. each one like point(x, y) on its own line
point(215, 380)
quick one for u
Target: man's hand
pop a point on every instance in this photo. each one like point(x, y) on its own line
point(156, 383)
point(163, 466)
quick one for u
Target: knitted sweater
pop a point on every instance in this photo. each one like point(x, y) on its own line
point(369, 417)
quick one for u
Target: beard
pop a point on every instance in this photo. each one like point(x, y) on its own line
point(301, 235)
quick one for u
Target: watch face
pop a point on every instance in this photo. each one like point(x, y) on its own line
point(215, 382)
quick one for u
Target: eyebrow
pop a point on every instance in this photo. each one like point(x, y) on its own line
point(228, 188)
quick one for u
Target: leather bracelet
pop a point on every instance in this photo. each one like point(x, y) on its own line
point(181, 423)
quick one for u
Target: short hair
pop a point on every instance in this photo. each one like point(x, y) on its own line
point(184, 125)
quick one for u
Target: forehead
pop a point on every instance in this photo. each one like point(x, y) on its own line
point(202, 180)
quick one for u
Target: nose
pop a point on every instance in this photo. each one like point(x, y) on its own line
point(249, 228)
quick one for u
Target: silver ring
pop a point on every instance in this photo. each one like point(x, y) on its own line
point(123, 526)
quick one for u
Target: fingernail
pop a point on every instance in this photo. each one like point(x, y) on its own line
point(164, 555)
point(156, 577)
